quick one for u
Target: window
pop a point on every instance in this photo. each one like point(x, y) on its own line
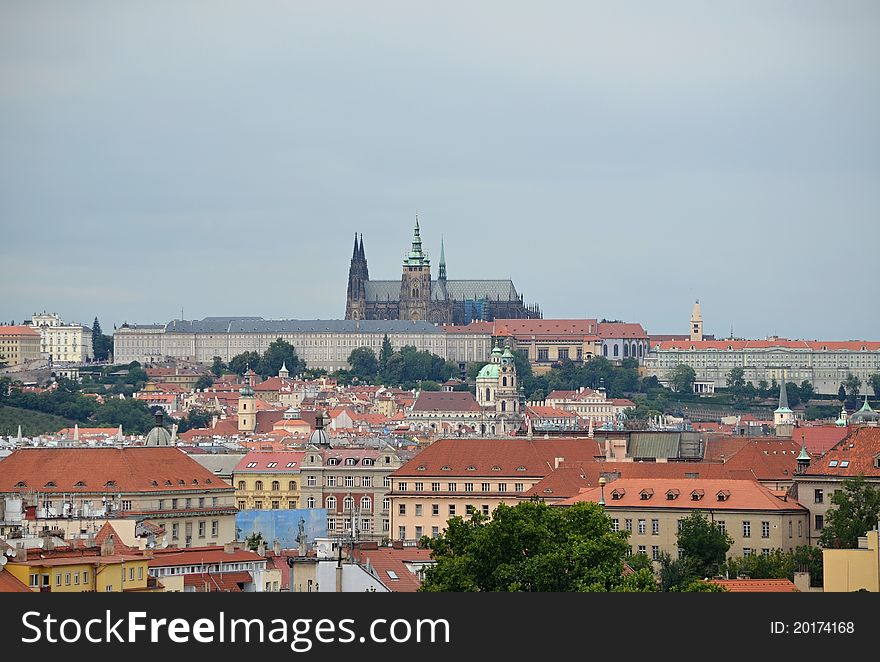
point(435, 531)
point(175, 531)
point(642, 549)
point(420, 487)
point(349, 481)
point(367, 481)
point(418, 510)
point(386, 483)
point(366, 503)
point(291, 486)
point(202, 526)
point(215, 528)
point(85, 576)
point(518, 487)
point(401, 487)
point(242, 505)
point(469, 509)
point(747, 551)
point(800, 529)
point(562, 352)
point(257, 486)
point(641, 526)
point(331, 481)
point(76, 577)
point(468, 487)
point(721, 525)
point(401, 509)
point(655, 552)
point(271, 465)
point(126, 504)
point(615, 525)
point(765, 551)
point(502, 487)
point(161, 504)
point(67, 579)
point(543, 354)
point(173, 504)
point(451, 487)
point(386, 524)
point(331, 523)
point(484, 487)
point(818, 496)
point(386, 504)
point(350, 461)
point(258, 504)
point(451, 509)
point(435, 509)
point(310, 502)
point(820, 522)
point(311, 481)
point(628, 524)
point(486, 509)
point(401, 532)
point(130, 574)
point(765, 529)
point(418, 532)
point(251, 465)
point(331, 503)
point(747, 529)
point(347, 504)
point(57, 578)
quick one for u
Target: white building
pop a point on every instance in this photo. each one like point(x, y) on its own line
point(60, 342)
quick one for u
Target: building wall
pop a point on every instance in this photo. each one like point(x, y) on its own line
point(848, 570)
point(249, 495)
point(18, 347)
point(93, 575)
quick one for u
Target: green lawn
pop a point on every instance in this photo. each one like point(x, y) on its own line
point(32, 422)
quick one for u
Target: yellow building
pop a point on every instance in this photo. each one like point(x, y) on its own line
point(268, 480)
point(18, 344)
point(853, 569)
point(82, 574)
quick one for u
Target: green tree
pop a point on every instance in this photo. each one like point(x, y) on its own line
point(675, 574)
point(240, 363)
point(279, 353)
point(385, 353)
point(841, 393)
point(134, 416)
point(700, 586)
point(874, 381)
point(856, 511)
point(853, 385)
point(203, 382)
point(218, 367)
point(364, 364)
point(529, 547)
point(793, 392)
point(195, 419)
point(639, 561)
point(102, 345)
point(736, 380)
point(775, 565)
point(703, 543)
point(682, 378)
point(254, 541)
point(807, 391)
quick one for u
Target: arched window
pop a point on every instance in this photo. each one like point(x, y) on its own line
point(348, 503)
point(504, 381)
point(276, 485)
point(415, 293)
point(504, 405)
point(291, 486)
point(366, 503)
point(242, 485)
point(310, 502)
point(258, 485)
point(604, 350)
point(632, 351)
point(488, 394)
point(331, 503)
point(640, 349)
point(625, 349)
point(615, 350)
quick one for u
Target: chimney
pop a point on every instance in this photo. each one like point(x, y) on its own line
point(557, 461)
point(276, 548)
point(108, 547)
point(261, 549)
point(802, 581)
point(229, 548)
point(396, 544)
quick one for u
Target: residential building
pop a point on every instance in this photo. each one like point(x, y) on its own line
point(19, 344)
point(213, 568)
point(268, 480)
point(847, 570)
point(757, 519)
point(60, 342)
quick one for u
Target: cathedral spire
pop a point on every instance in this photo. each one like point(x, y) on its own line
point(354, 253)
point(416, 255)
point(442, 275)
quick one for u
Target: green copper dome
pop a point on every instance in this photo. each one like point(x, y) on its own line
point(488, 371)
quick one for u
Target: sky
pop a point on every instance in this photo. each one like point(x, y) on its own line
point(615, 159)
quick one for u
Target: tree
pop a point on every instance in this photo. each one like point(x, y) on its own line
point(195, 419)
point(853, 385)
point(385, 353)
point(807, 391)
point(841, 393)
point(703, 543)
point(529, 547)
point(133, 415)
point(240, 363)
point(736, 380)
point(254, 541)
point(101, 345)
point(218, 367)
point(279, 353)
point(363, 364)
point(793, 392)
point(473, 369)
point(203, 382)
point(682, 378)
point(856, 511)
point(675, 574)
point(874, 381)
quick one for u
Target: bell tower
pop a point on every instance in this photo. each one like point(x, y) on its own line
point(415, 285)
point(696, 322)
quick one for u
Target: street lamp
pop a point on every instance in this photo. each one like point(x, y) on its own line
point(602, 490)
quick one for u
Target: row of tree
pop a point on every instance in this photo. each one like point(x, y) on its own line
point(408, 368)
point(279, 353)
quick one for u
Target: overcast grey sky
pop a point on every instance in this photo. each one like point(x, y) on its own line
point(616, 159)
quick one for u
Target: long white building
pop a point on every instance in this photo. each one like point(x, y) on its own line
point(320, 343)
point(825, 364)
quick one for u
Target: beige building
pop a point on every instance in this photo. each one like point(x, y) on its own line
point(858, 569)
point(73, 489)
point(60, 342)
point(455, 477)
point(18, 344)
point(268, 480)
point(757, 519)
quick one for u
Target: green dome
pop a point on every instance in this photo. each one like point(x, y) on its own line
point(496, 351)
point(507, 353)
point(488, 371)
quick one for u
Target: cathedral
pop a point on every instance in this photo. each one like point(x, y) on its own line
point(418, 297)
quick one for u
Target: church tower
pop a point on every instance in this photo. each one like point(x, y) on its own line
point(415, 285)
point(358, 275)
point(247, 407)
point(696, 322)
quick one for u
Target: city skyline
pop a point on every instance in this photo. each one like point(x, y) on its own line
point(615, 160)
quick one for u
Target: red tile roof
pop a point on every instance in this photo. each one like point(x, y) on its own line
point(545, 327)
point(473, 327)
point(513, 457)
point(856, 454)
point(10, 584)
point(820, 439)
point(263, 458)
point(385, 558)
point(217, 582)
point(130, 469)
point(621, 330)
point(768, 457)
point(445, 401)
point(17, 330)
point(742, 495)
point(852, 345)
point(757, 585)
point(214, 555)
point(562, 483)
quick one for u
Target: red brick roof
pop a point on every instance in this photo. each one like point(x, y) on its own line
point(385, 558)
point(17, 330)
point(130, 469)
point(263, 458)
point(512, 457)
point(854, 455)
point(214, 582)
point(757, 585)
point(741, 495)
point(549, 412)
point(445, 401)
point(562, 483)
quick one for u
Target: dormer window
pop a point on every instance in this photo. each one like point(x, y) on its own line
point(110, 483)
point(350, 461)
point(445, 467)
point(671, 495)
point(80, 484)
point(271, 465)
point(154, 483)
point(290, 465)
point(208, 481)
point(368, 462)
point(723, 495)
point(51, 483)
point(21, 483)
point(195, 481)
point(844, 464)
point(833, 463)
point(472, 468)
point(617, 493)
point(520, 468)
point(496, 468)
point(696, 495)
point(646, 494)
point(251, 465)
point(421, 467)
point(181, 482)
point(332, 462)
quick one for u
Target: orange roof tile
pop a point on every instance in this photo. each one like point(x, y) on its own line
point(757, 585)
point(856, 454)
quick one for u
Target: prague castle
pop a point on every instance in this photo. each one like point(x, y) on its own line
point(417, 297)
